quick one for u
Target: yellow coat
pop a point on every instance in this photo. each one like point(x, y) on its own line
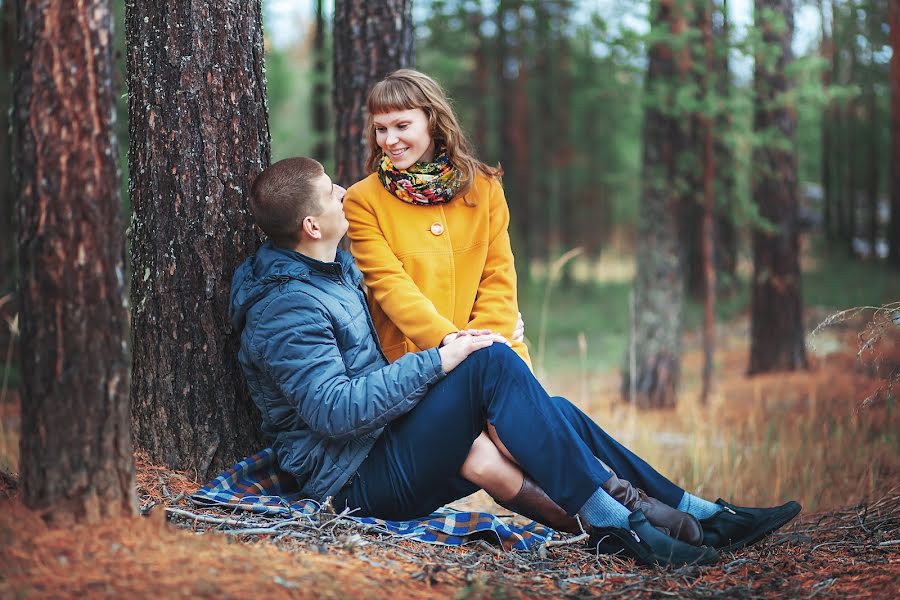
point(433, 270)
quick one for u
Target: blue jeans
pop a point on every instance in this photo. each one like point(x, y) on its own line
point(414, 466)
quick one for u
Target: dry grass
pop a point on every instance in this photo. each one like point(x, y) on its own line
point(810, 436)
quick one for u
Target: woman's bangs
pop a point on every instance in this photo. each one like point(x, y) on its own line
point(388, 96)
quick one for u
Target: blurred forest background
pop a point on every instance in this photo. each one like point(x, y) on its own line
point(674, 171)
point(556, 92)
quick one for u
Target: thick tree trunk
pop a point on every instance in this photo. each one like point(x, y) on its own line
point(199, 135)
point(76, 454)
point(654, 364)
point(322, 151)
point(777, 309)
point(894, 235)
point(371, 39)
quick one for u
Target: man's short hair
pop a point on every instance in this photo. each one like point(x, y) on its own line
point(283, 195)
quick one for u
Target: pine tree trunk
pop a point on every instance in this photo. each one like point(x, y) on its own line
point(839, 140)
point(776, 306)
point(76, 455)
point(828, 199)
point(322, 151)
point(851, 123)
point(894, 235)
point(481, 92)
point(7, 201)
point(510, 73)
point(726, 237)
point(371, 39)
point(199, 135)
point(654, 367)
point(873, 22)
point(709, 210)
point(521, 200)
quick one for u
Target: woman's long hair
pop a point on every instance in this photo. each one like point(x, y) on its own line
point(407, 89)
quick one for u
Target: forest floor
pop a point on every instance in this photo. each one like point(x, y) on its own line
point(828, 437)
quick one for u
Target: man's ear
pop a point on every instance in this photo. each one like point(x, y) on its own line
point(311, 228)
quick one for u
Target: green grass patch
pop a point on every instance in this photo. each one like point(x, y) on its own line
point(599, 311)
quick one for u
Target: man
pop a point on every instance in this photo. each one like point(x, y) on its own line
point(400, 440)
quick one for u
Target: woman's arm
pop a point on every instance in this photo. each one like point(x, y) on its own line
point(394, 290)
point(496, 306)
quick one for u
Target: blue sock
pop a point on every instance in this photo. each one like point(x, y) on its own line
point(698, 507)
point(602, 510)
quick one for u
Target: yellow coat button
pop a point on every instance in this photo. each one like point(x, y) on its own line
point(437, 228)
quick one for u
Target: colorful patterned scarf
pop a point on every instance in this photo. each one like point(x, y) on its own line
point(433, 182)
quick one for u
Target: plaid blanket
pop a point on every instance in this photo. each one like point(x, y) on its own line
point(257, 484)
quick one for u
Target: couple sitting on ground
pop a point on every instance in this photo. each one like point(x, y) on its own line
point(399, 439)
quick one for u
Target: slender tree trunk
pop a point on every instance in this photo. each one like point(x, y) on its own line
point(519, 130)
point(652, 380)
point(76, 454)
point(726, 237)
point(839, 139)
point(894, 235)
point(199, 135)
point(851, 124)
point(322, 151)
point(7, 202)
point(828, 199)
point(776, 308)
point(480, 83)
point(873, 22)
point(709, 208)
point(371, 39)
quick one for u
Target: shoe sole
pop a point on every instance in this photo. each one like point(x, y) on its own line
point(755, 537)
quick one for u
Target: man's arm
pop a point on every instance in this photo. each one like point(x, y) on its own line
point(306, 363)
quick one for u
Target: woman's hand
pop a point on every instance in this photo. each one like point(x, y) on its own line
point(464, 344)
point(519, 332)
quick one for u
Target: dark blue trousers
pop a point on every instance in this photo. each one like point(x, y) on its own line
point(414, 466)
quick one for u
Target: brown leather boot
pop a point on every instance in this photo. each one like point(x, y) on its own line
point(679, 525)
point(532, 502)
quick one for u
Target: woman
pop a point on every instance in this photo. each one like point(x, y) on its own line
point(429, 226)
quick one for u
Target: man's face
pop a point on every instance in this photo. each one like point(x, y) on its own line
point(332, 222)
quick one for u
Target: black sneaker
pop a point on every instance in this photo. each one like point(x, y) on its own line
point(734, 527)
point(646, 544)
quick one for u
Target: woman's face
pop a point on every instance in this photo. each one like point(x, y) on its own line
point(405, 136)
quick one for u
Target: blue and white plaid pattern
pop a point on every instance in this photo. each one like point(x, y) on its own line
point(257, 484)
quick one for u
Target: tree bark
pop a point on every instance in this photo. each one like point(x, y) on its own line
point(652, 377)
point(894, 235)
point(199, 135)
point(776, 307)
point(371, 39)
point(7, 202)
point(322, 151)
point(76, 454)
